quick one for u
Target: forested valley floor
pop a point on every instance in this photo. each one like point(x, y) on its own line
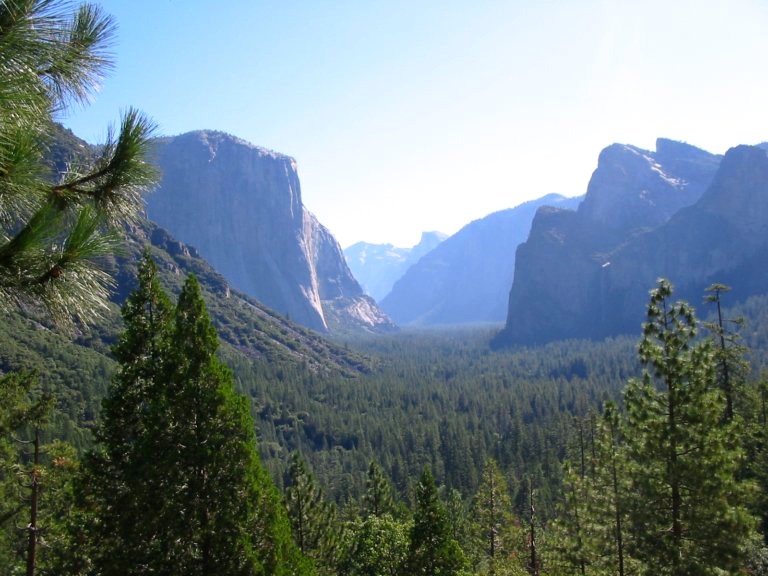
point(495, 444)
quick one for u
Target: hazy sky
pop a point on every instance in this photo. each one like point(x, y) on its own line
point(411, 115)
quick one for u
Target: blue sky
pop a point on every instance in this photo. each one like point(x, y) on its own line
point(418, 115)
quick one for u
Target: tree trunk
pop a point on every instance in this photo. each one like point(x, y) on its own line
point(35, 488)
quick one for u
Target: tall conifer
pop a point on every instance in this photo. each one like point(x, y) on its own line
point(377, 499)
point(497, 534)
point(432, 551)
point(315, 528)
point(182, 491)
point(686, 506)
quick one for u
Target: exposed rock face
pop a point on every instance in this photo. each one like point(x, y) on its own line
point(577, 277)
point(633, 188)
point(345, 306)
point(722, 238)
point(378, 266)
point(240, 206)
point(466, 279)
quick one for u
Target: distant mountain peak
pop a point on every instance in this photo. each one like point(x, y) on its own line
point(378, 266)
point(635, 188)
point(466, 278)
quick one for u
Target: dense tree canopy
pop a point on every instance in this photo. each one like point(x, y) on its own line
point(176, 485)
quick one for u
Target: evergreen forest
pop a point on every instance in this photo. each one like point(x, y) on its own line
point(164, 437)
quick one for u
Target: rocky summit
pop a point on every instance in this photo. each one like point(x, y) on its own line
point(240, 206)
point(680, 213)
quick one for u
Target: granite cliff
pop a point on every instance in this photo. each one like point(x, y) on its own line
point(240, 206)
point(586, 274)
point(634, 188)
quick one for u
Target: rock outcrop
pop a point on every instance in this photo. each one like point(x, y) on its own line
point(240, 206)
point(634, 188)
point(580, 275)
point(466, 279)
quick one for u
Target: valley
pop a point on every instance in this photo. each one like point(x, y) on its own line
point(196, 379)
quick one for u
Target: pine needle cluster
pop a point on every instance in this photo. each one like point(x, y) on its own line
point(57, 222)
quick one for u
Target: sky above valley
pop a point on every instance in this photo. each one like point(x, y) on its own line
point(413, 115)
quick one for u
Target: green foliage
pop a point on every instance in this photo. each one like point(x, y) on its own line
point(181, 490)
point(427, 398)
point(497, 537)
point(729, 353)
point(53, 233)
point(315, 528)
point(376, 545)
point(377, 499)
point(35, 479)
point(590, 533)
point(431, 550)
point(686, 504)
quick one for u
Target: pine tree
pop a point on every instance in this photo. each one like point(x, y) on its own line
point(184, 490)
point(574, 551)
point(122, 475)
point(686, 506)
point(534, 556)
point(728, 351)
point(14, 388)
point(756, 462)
point(377, 499)
point(35, 478)
point(21, 470)
point(432, 552)
point(589, 535)
point(457, 515)
point(611, 489)
point(497, 534)
point(315, 529)
point(53, 231)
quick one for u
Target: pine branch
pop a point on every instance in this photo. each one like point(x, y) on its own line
point(121, 174)
point(76, 72)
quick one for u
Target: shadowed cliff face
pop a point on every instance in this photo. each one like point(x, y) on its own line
point(240, 206)
point(581, 275)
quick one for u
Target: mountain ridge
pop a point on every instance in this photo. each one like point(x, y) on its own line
point(578, 278)
point(466, 279)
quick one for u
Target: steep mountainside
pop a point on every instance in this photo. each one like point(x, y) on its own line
point(378, 266)
point(242, 322)
point(240, 206)
point(77, 367)
point(576, 278)
point(466, 279)
point(633, 188)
